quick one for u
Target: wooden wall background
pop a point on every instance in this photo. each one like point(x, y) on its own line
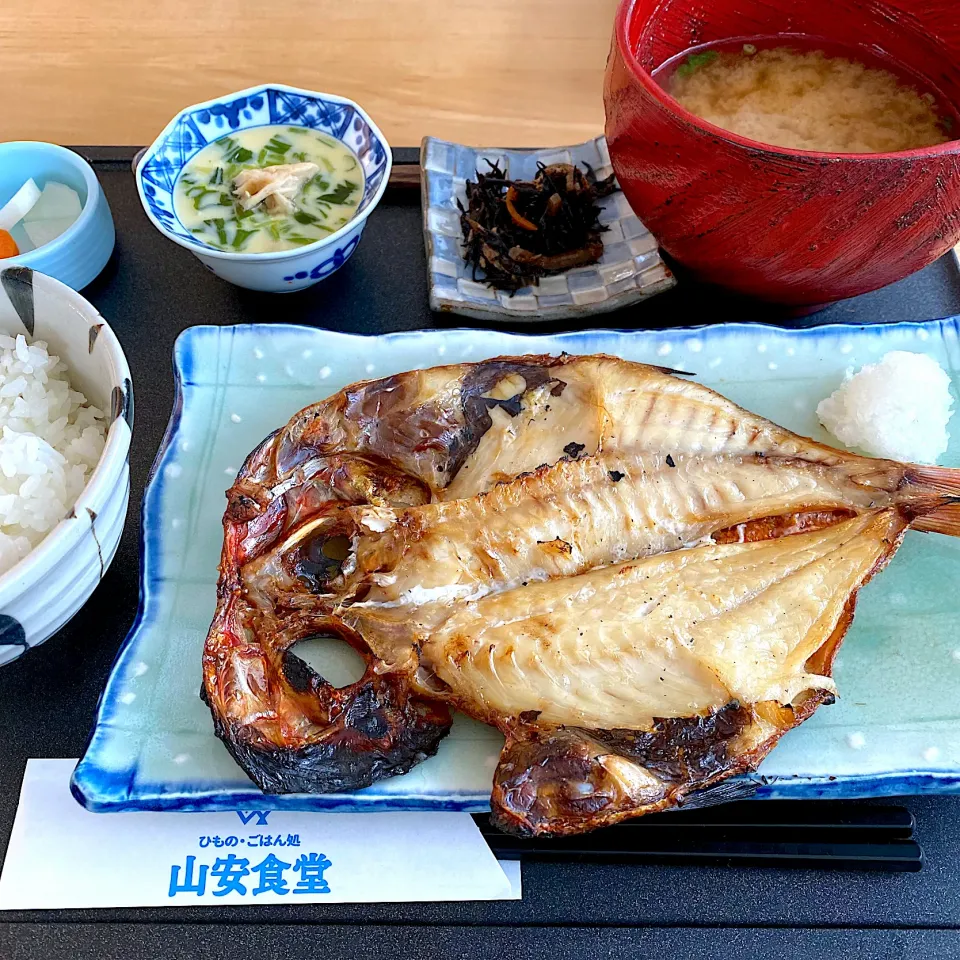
point(507, 72)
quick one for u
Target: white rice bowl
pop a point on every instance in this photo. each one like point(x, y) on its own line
point(62, 487)
point(51, 439)
point(898, 408)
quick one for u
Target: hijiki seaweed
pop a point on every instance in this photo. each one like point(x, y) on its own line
point(517, 231)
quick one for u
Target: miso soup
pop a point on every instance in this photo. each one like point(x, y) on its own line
point(268, 188)
point(808, 94)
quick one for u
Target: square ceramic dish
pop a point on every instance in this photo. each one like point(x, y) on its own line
point(629, 271)
point(895, 729)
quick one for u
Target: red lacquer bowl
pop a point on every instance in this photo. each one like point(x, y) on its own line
point(789, 226)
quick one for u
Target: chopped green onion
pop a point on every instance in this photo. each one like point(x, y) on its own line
point(200, 202)
point(300, 241)
point(301, 216)
point(327, 164)
point(241, 238)
point(221, 232)
point(239, 155)
point(340, 193)
point(217, 176)
point(695, 61)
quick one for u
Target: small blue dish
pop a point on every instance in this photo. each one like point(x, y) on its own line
point(196, 126)
point(78, 255)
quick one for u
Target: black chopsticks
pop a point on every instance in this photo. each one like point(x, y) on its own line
point(779, 833)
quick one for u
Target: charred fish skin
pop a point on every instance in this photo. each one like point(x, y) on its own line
point(557, 781)
point(569, 780)
point(293, 732)
point(361, 753)
point(470, 491)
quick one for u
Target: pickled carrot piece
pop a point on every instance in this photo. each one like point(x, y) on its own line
point(8, 246)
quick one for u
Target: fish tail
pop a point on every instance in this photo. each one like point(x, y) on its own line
point(930, 498)
point(943, 517)
point(936, 480)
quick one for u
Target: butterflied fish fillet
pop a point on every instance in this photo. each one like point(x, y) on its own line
point(641, 584)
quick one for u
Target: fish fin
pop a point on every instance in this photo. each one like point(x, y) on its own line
point(742, 788)
point(943, 518)
point(939, 480)
point(932, 501)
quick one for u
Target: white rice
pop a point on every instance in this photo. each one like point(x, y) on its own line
point(50, 441)
point(898, 408)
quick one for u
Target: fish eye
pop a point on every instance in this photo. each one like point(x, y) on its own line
point(322, 560)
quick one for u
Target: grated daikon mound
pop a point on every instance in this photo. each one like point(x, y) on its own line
point(898, 408)
point(50, 442)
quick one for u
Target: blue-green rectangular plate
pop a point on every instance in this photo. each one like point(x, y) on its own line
point(895, 728)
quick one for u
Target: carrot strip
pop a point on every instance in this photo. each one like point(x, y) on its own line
point(515, 216)
point(8, 246)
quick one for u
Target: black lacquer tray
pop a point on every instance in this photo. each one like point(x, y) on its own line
point(611, 902)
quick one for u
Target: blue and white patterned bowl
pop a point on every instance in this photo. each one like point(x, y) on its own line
point(196, 126)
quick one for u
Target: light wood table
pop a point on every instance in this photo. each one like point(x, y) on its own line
point(487, 72)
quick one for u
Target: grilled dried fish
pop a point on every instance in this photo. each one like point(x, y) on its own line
point(639, 583)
